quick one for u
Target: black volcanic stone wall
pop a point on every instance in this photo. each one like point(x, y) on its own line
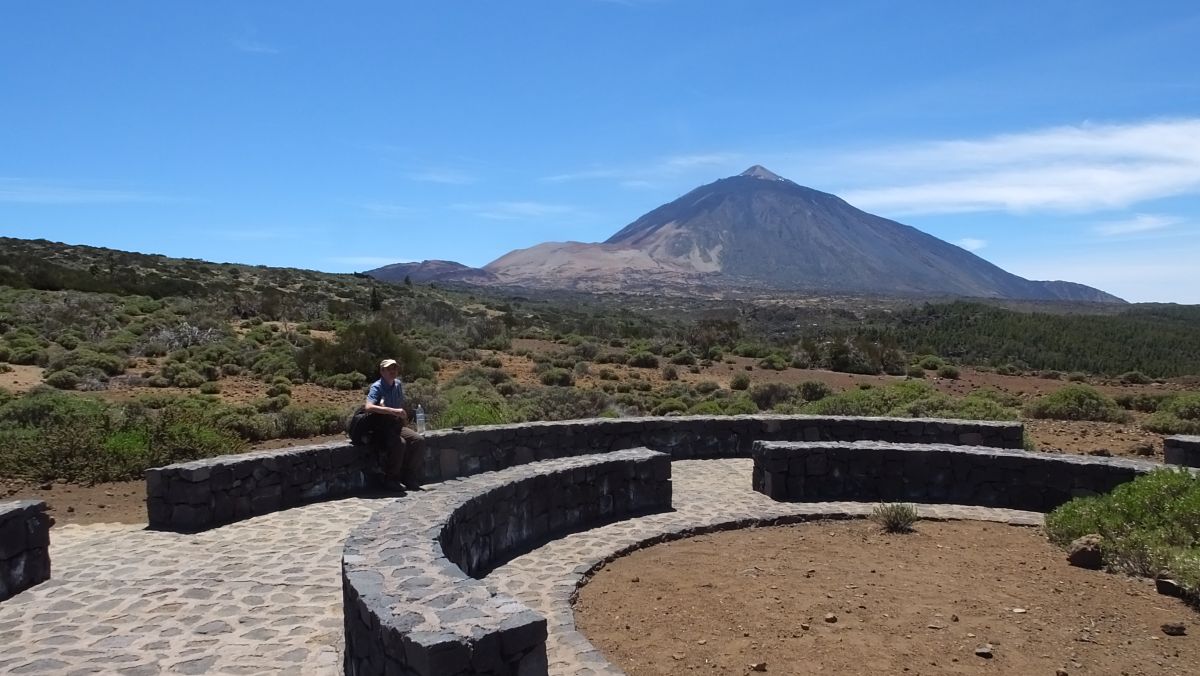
point(411, 605)
point(196, 495)
point(1182, 450)
point(451, 454)
point(24, 546)
point(207, 493)
point(867, 471)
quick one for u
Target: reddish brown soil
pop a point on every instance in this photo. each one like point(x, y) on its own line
point(916, 604)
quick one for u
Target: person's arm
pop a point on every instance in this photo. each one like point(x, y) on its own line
point(373, 405)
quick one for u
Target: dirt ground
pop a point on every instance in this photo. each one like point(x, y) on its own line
point(845, 598)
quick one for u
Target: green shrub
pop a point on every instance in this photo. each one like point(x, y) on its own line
point(62, 380)
point(560, 403)
point(559, 377)
point(492, 361)
point(109, 364)
point(814, 390)
point(210, 388)
point(188, 378)
point(669, 406)
point(299, 422)
point(740, 381)
point(949, 372)
point(684, 358)
point(1076, 377)
point(774, 362)
point(1146, 402)
point(1076, 402)
point(644, 360)
point(1135, 378)
point(669, 372)
point(895, 517)
point(931, 363)
point(707, 387)
point(915, 372)
point(1179, 415)
point(767, 396)
point(608, 374)
point(1148, 525)
point(465, 408)
point(279, 388)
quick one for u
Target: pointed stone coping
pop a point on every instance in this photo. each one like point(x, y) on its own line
point(411, 604)
point(24, 546)
point(872, 471)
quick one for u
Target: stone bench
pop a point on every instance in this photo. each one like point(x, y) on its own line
point(867, 471)
point(24, 546)
point(1182, 450)
point(411, 603)
point(207, 493)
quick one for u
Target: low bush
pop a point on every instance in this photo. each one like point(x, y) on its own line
point(1148, 525)
point(669, 372)
point(1076, 377)
point(895, 517)
point(931, 363)
point(1077, 402)
point(814, 390)
point(767, 396)
point(644, 360)
point(557, 377)
point(949, 372)
point(1135, 378)
point(774, 362)
point(62, 380)
point(1179, 415)
point(740, 381)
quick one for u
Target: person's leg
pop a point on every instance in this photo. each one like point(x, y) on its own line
point(389, 430)
point(414, 448)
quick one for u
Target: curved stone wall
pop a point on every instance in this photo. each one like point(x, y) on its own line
point(867, 471)
point(207, 493)
point(24, 546)
point(410, 606)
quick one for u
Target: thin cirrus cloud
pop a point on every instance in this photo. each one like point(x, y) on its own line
point(443, 176)
point(662, 169)
point(251, 46)
point(511, 211)
point(1140, 223)
point(972, 243)
point(26, 191)
point(1081, 169)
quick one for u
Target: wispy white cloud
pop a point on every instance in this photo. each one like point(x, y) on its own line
point(972, 243)
point(389, 209)
point(1140, 223)
point(26, 191)
point(441, 175)
point(1082, 168)
point(252, 46)
point(509, 211)
point(653, 173)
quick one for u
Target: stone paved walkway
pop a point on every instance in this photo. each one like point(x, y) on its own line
point(264, 595)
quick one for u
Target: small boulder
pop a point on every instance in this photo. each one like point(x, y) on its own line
point(1084, 552)
point(1168, 587)
point(1174, 629)
point(830, 618)
point(984, 651)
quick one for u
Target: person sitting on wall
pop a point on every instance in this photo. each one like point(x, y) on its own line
point(389, 424)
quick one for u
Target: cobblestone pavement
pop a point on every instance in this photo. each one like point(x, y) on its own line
point(260, 596)
point(264, 595)
point(708, 495)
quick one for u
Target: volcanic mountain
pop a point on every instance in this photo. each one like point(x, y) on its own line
point(758, 230)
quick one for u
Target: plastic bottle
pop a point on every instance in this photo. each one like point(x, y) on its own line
point(420, 419)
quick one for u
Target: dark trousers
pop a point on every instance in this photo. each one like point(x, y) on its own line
point(401, 447)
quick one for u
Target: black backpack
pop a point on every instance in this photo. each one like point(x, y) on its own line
point(359, 427)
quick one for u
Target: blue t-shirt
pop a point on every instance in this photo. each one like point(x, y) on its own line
point(392, 397)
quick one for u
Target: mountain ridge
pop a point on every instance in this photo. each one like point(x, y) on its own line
point(758, 230)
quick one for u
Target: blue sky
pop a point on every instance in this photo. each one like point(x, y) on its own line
point(1058, 140)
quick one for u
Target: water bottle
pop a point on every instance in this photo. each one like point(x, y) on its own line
point(420, 419)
